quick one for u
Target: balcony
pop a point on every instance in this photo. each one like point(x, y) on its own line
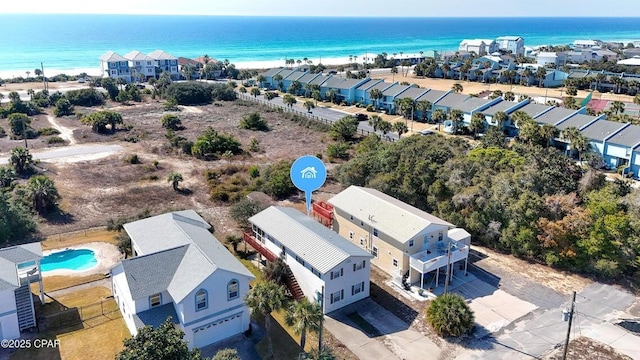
point(257, 245)
point(27, 274)
point(435, 258)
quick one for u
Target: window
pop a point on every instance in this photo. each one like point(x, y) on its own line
point(361, 241)
point(358, 266)
point(155, 300)
point(361, 223)
point(375, 232)
point(336, 274)
point(374, 251)
point(350, 234)
point(337, 296)
point(395, 263)
point(201, 300)
point(357, 288)
point(410, 243)
point(440, 236)
point(232, 290)
point(149, 63)
point(113, 72)
point(351, 217)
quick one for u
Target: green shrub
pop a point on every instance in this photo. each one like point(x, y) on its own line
point(48, 131)
point(170, 105)
point(171, 121)
point(84, 97)
point(338, 150)
point(370, 108)
point(55, 140)
point(2, 133)
point(211, 144)
point(133, 159)
point(189, 93)
point(254, 145)
point(254, 171)
point(253, 121)
point(63, 108)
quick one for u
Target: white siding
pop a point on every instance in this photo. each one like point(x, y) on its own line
point(345, 282)
point(123, 297)
point(8, 316)
point(616, 151)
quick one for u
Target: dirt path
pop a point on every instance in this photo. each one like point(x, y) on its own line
point(191, 109)
point(65, 132)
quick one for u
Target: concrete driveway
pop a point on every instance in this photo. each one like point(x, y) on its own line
point(397, 342)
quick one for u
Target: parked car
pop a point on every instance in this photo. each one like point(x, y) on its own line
point(362, 117)
point(426, 132)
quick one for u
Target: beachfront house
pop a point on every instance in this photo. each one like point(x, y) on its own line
point(115, 66)
point(180, 270)
point(141, 66)
point(165, 62)
point(512, 44)
point(322, 261)
point(405, 242)
point(19, 268)
point(478, 46)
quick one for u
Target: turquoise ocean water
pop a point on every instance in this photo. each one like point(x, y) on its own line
point(77, 41)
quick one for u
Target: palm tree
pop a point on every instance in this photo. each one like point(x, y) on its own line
point(548, 133)
point(174, 178)
point(424, 106)
point(295, 87)
point(439, 116)
point(28, 73)
point(21, 160)
point(374, 122)
point(445, 69)
point(331, 95)
point(304, 316)
point(456, 116)
point(278, 79)
point(477, 124)
point(255, 92)
point(500, 117)
point(309, 105)
point(577, 141)
point(541, 73)
point(617, 107)
point(400, 128)
point(264, 298)
point(385, 127)
point(289, 100)
point(449, 315)
point(509, 96)
point(260, 79)
point(299, 62)
point(457, 88)
point(42, 193)
point(526, 76)
point(315, 95)
point(375, 95)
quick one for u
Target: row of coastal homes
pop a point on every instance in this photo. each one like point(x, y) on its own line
point(609, 144)
point(137, 66)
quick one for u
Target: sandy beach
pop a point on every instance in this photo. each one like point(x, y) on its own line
point(106, 254)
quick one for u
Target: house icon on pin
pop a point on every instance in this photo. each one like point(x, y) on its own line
point(309, 172)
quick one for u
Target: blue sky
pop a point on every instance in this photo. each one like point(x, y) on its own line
point(415, 8)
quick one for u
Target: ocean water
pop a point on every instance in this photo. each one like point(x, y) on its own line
point(77, 41)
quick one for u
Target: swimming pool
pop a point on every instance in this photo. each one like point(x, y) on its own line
point(77, 260)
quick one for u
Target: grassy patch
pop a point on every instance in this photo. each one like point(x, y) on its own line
point(76, 299)
point(99, 339)
point(57, 282)
point(364, 325)
point(78, 238)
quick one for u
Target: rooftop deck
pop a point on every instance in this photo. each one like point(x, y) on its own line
point(434, 258)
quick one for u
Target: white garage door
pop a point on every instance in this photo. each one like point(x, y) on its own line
point(217, 330)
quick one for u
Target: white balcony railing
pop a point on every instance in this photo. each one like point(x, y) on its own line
point(432, 259)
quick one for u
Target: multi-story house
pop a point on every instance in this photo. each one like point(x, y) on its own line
point(165, 62)
point(141, 66)
point(513, 44)
point(115, 66)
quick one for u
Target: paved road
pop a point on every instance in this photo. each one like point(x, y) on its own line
point(71, 153)
point(598, 308)
point(398, 341)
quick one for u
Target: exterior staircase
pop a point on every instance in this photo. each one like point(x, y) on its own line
point(293, 286)
point(25, 309)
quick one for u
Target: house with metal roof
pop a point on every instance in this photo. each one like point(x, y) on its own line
point(361, 91)
point(382, 86)
point(555, 115)
point(19, 268)
point(142, 66)
point(389, 96)
point(330, 269)
point(165, 62)
point(619, 149)
point(345, 88)
point(474, 105)
point(115, 66)
point(405, 242)
point(507, 107)
point(180, 270)
point(599, 132)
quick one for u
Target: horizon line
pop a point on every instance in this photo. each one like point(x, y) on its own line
point(337, 16)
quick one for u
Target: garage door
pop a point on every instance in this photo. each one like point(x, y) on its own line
point(217, 330)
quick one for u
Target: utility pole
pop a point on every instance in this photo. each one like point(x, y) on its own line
point(446, 280)
point(566, 341)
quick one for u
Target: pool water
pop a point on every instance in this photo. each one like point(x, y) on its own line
point(78, 260)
